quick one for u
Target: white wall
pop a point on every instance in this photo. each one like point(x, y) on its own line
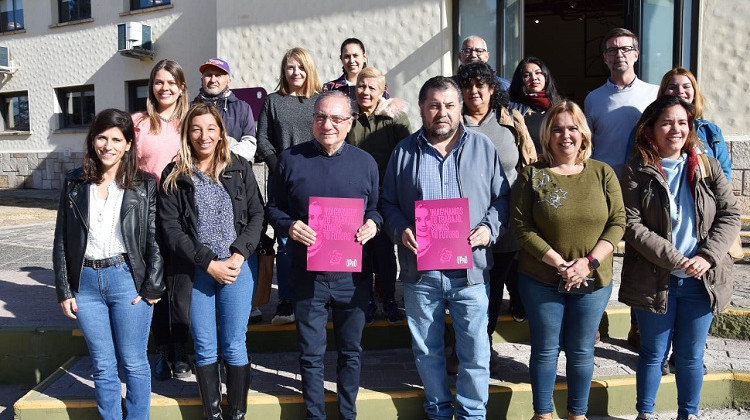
point(724, 49)
point(86, 53)
point(409, 40)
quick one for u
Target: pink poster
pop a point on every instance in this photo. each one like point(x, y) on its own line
point(442, 230)
point(335, 222)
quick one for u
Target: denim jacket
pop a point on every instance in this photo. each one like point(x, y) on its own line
point(481, 179)
point(713, 141)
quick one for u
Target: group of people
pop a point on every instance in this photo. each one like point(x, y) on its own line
point(158, 230)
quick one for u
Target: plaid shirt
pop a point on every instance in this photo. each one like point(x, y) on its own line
point(342, 85)
point(438, 175)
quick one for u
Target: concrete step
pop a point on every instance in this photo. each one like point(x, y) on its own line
point(391, 388)
point(30, 355)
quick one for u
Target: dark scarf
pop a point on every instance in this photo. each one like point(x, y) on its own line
point(538, 100)
point(214, 99)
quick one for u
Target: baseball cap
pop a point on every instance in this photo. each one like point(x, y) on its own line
point(215, 62)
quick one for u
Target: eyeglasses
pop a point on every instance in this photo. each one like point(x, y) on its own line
point(478, 51)
point(335, 119)
point(624, 50)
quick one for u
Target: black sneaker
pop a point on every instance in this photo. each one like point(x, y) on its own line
point(518, 313)
point(392, 313)
point(372, 309)
point(284, 313)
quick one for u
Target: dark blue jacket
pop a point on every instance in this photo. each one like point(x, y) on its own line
point(305, 171)
point(236, 113)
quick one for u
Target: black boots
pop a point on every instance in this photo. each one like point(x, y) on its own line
point(238, 383)
point(209, 386)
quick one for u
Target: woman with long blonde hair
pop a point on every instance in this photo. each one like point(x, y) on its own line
point(681, 82)
point(211, 215)
point(286, 120)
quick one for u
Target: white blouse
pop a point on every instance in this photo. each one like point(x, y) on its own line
point(105, 231)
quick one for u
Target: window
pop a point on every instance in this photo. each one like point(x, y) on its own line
point(499, 23)
point(15, 111)
point(76, 106)
point(137, 95)
point(72, 10)
point(11, 15)
point(145, 4)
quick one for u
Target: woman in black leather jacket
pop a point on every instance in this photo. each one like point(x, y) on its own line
point(211, 215)
point(108, 269)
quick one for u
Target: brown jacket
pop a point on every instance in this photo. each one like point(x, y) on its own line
point(649, 253)
point(516, 124)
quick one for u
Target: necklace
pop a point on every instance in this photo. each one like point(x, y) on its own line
point(101, 205)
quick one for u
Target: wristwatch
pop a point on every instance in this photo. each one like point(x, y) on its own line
point(593, 262)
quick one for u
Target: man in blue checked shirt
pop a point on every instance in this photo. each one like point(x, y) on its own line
point(445, 160)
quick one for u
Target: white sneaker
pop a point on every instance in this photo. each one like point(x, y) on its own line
point(284, 313)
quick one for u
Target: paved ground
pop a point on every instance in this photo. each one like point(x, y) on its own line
point(27, 298)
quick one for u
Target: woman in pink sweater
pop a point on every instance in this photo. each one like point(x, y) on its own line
point(157, 136)
point(157, 130)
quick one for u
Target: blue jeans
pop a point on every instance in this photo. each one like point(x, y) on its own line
point(348, 298)
point(114, 330)
point(425, 313)
point(231, 304)
point(561, 321)
point(688, 320)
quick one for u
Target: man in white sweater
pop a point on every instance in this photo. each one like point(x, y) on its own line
point(613, 109)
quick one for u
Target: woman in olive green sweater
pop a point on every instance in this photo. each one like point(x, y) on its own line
point(567, 215)
point(380, 124)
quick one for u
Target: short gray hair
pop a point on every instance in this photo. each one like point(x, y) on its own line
point(334, 94)
point(470, 37)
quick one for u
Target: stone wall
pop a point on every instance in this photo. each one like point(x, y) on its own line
point(36, 170)
point(739, 151)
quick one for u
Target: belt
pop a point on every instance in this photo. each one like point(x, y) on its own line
point(105, 262)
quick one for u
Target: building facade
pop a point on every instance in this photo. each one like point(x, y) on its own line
point(64, 64)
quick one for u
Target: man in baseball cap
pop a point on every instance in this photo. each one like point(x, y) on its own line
point(236, 113)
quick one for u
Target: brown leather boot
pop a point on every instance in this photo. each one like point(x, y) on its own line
point(575, 417)
point(547, 416)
